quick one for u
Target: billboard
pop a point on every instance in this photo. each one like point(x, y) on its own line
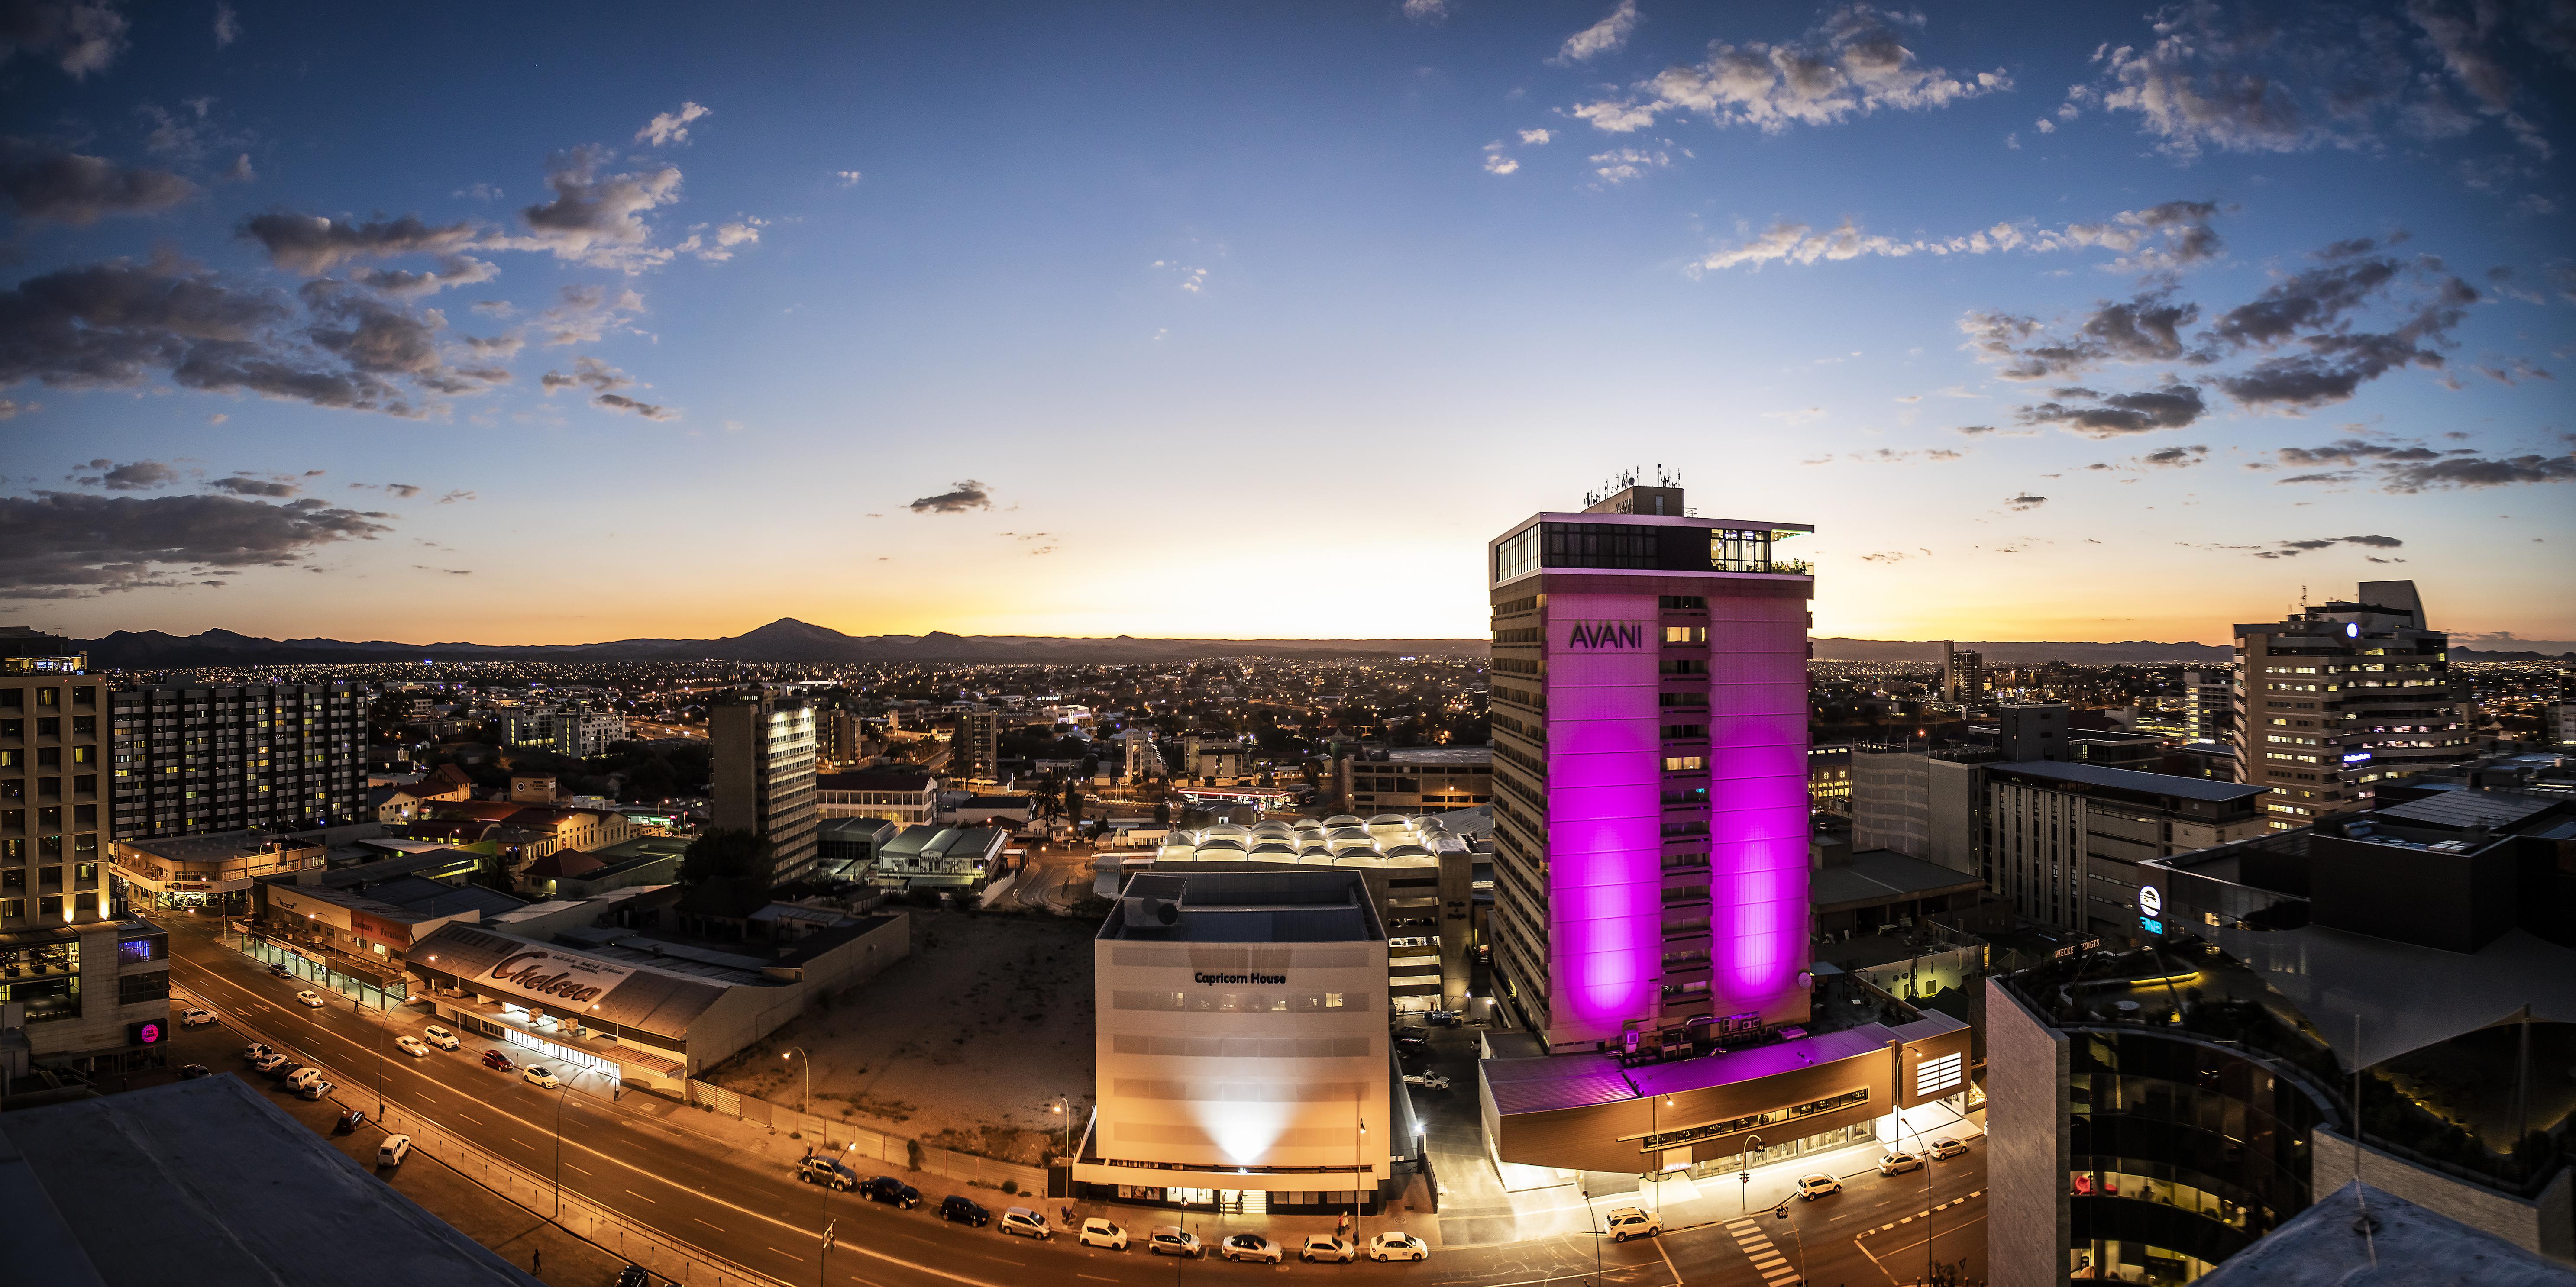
point(554, 979)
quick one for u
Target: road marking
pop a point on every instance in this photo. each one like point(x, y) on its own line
point(570, 1167)
point(1096, 1278)
point(717, 1227)
point(655, 1201)
point(470, 1117)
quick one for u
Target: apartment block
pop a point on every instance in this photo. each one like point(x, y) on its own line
point(763, 751)
point(2341, 697)
point(190, 759)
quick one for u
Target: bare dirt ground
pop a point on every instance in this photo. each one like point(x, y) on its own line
point(966, 1043)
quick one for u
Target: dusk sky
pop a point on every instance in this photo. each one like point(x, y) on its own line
point(548, 324)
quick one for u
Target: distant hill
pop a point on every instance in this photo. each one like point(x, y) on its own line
point(790, 640)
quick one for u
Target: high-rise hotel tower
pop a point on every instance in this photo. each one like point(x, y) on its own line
point(1650, 768)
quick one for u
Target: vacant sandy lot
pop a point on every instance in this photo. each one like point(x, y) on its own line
point(966, 1043)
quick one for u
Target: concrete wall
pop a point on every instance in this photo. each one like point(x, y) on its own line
point(2028, 1220)
point(2546, 1225)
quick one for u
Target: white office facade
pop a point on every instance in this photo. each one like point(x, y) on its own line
point(1242, 1045)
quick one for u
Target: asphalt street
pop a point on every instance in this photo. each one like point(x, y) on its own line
point(759, 1216)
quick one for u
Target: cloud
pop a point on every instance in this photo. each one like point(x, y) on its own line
point(2293, 549)
point(227, 25)
point(1427, 11)
point(2147, 328)
point(2174, 457)
point(670, 129)
point(134, 476)
point(2289, 79)
point(478, 192)
point(587, 313)
point(959, 498)
point(66, 187)
point(848, 178)
point(314, 244)
point(720, 247)
point(603, 381)
point(2175, 406)
point(2173, 235)
point(453, 271)
point(597, 218)
point(1885, 556)
point(453, 497)
point(1605, 36)
point(1536, 138)
point(620, 402)
point(1622, 164)
point(2406, 468)
point(82, 36)
point(62, 545)
point(1496, 162)
point(107, 325)
point(448, 571)
point(1853, 64)
point(2025, 501)
point(269, 487)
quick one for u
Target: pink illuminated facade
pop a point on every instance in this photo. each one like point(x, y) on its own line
point(1650, 762)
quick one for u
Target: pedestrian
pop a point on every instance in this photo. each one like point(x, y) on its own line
point(537, 1261)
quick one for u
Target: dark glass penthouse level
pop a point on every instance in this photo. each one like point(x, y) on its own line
point(1664, 545)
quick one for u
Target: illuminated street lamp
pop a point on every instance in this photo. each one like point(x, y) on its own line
point(808, 1103)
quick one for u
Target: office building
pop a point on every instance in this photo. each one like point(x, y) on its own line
point(2209, 705)
point(213, 874)
point(1927, 804)
point(763, 751)
point(2153, 1113)
point(1414, 779)
point(575, 731)
point(841, 739)
point(1963, 675)
point(847, 848)
point(2063, 841)
point(1649, 682)
point(900, 795)
point(1243, 1054)
point(192, 759)
point(976, 752)
point(2341, 697)
point(1829, 783)
point(1144, 762)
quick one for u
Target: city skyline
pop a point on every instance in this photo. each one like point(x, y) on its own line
point(1030, 322)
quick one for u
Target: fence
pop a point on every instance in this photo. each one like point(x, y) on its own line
point(858, 1141)
point(612, 1232)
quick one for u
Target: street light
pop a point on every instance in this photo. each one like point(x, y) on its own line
point(808, 1102)
point(823, 1200)
point(1744, 1173)
point(1781, 1212)
point(560, 1092)
point(1064, 1128)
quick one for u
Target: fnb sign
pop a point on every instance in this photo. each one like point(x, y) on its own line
point(1605, 636)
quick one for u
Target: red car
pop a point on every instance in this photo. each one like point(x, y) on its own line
point(495, 1059)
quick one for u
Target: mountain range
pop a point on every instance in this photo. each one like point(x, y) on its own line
point(790, 640)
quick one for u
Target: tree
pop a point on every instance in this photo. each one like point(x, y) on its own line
point(1073, 804)
point(724, 855)
point(1163, 814)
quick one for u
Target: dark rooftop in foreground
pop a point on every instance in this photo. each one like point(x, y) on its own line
point(1874, 876)
point(1246, 907)
point(2097, 775)
point(2326, 1246)
point(206, 1182)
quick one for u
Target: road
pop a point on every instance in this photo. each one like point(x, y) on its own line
point(763, 1219)
point(1058, 869)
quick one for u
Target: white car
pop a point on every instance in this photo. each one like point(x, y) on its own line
point(1172, 1240)
point(1250, 1248)
point(315, 1089)
point(1025, 1223)
point(197, 1018)
point(257, 1051)
point(393, 1150)
point(536, 1076)
point(1395, 1245)
point(1947, 1147)
point(310, 999)
point(1427, 1080)
point(1327, 1247)
point(1899, 1164)
point(1633, 1222)
point(1812, 1187)
point(1097, 1232)
point(439, 1037)
point(412, 1046)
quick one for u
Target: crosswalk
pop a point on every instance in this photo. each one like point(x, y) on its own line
point(1767, 1261)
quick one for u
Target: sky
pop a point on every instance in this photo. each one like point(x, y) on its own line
point(562, 323)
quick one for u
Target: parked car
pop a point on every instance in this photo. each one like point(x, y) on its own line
point(257, 1051)
point(267, 1063)
point(309, 999)
point(1249, 1248)
point(439, 1037)
point(302, 1077)
point(1633, 1222)
point(891, 1191)
point(314, 1090)
point(1097, 1232)
point(1172, 1240)
point(277, 968)
point(496, 1059)
point(195, 1070)
point(1899, 1163)
point(1443, 1018)
point(828, 1173)
point(960, 1209)
point(1812, 1187)
point(1396, 1245)
point(349, 1121)
point(1325, 1248)
point(1427, 1080)
point(1947, 1147)
point(634, 1276)
point(393, 1150)
point(283, 1069)
point(1406, 1042)
point(1026, 1223)
point(198, 1018)
point(536, 1076)
point(411, 1045)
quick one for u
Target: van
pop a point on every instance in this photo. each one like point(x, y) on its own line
point(302, 1077)
point(439, 1037)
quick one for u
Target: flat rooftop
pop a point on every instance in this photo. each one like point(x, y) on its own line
point(205, 1181)
point(2097, 775)
point(1875, 876)
point(2494, 810)
point(1247, 907)
point(2324, 1246)
point(216, 848)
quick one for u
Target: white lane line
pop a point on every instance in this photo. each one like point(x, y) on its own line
point(655, 1201)
point(790, 1255)
point(717, 1227)
point(570, 1167)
